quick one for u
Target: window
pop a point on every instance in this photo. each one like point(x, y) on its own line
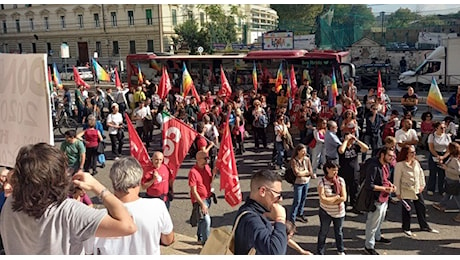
point(48, 49)
point(174, 17)
point(114, 18)
point(47, 25)
point(131, 17)
point(34, 47)
point(96, 20)
point(5, 28)
point(2, 6)
point(80, 21)
point(31, 23)
point(201, 19)
point(62, 21)
point(116, 49)
point(15, 6)
point(18, 26)
point(149, 45)
point(132, 47)
point(190, 15)
point(99, 48)
point(148, 16)
point(20, 47)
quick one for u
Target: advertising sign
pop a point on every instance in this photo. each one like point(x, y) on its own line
point(278, 41)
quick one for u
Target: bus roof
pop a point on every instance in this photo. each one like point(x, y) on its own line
point(275, 54)
point(152, 56)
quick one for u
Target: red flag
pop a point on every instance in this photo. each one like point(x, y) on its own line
point(177, 140)
point(380, 93)
point(137, 148)
point(165, 84)
point(78, 80)
point(294, 87)
point(226, 164)
point(225, 91)
point(195, 93)
point(117, 79)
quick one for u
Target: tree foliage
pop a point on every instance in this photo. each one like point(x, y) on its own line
point(298, 18)
point(402, 18)
point(350, 15)
point(189, 36)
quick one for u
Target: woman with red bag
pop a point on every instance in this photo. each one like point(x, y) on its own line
point(92, 137)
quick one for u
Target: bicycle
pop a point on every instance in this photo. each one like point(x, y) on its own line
point(62, 121)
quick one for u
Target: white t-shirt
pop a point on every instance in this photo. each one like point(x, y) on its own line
point(116, 119)
point(140, 113)
point(152, 219)
point(60, 231)
point(402, 136)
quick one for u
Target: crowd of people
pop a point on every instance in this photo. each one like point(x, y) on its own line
point(314, 140)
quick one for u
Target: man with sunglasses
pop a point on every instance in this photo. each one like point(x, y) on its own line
point(200, 178)
point(263, 228)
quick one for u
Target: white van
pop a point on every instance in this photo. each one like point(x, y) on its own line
point(85, 73)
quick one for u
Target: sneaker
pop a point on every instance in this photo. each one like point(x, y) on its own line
point(383, 241)
point(302, 219)
point(431, 230)
point(371, 251)
point(341, 253)
point(408, 233)
point(439, 207)
point(354, 210)
point(430, 193)
point(283, 168)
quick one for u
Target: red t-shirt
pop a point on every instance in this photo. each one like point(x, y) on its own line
point(201, 142)
point(91, 138)
point(201, 178)
point(158, 188)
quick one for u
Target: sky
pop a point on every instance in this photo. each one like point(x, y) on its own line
point(420, 8)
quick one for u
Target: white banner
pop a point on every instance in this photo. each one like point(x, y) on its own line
point(25, 110)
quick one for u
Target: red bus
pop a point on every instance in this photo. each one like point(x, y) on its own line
point(205, 69)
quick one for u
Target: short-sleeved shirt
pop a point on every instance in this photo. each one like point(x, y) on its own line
point(201, 178)
point(440, 143)
point(410, 98)
point(201, 142)
point(60, 231)
point(335, 211)
point(348, 161)
point(73, 151)
point(402, 136)
point(115, 119)
point(161, 187)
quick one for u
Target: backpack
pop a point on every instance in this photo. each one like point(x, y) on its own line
point(222, 242)
point(363, 170)
point(263, 120)
point(289, 176)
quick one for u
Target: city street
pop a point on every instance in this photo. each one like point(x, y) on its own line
point(445, 243)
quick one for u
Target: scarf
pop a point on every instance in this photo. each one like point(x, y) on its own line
point(336, 182)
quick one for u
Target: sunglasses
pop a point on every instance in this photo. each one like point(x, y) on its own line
point(278, 193)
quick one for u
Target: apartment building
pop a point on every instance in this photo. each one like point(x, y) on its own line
point(109, 31)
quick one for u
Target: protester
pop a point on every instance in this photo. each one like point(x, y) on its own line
point(200, 178)
point(158, 183)
point(332, 196)
point(150, 215)
point(39, 212)
point(377, 182)
point(115, 124)
point(332, 142)
point(75, 151)
point(301, 166)
point(79, 194)
point(291, 229)
point(438, 141)
point(406, 135)
point(409, 101)
point(409, 180)
point(92, 137)
point(255, 229)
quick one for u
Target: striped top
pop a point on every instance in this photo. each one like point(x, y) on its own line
point(335, 211)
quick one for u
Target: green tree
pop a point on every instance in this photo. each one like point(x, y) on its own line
point(431, 20)
point(221, 28)
point(189, 36)
point(297, 18)
point(351, 15)
point(402, 18)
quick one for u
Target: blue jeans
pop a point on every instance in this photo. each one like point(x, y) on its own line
point(436, 175)
point(300, 196)
point(374, 223)
point(279, 153)
point(325, 221)
point(204, 224)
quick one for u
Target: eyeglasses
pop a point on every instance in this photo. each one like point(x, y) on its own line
point(442, 128)
point(277, 198)
point(204, 158)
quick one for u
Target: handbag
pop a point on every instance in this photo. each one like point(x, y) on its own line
point(100, 147)
point(222, 242)
point(452, 188)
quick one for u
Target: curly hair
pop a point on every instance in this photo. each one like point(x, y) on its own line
point(40, 179)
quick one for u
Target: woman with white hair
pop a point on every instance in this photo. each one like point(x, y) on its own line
point(92, 137)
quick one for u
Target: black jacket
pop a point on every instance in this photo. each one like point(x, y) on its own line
point(255, 230)
point(374, 176)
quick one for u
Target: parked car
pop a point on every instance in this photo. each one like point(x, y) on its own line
point(367, 75)
point(84, 72)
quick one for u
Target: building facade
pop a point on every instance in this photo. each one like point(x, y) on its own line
point(109, 32)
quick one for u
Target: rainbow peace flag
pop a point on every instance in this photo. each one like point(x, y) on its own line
point(254, 77)
point(334, 91)
point(57, 78)
point(187, 82)
point(100, 72)
point(140, 77)
point(154, 65)
point(434, 98)
point(279, 79)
